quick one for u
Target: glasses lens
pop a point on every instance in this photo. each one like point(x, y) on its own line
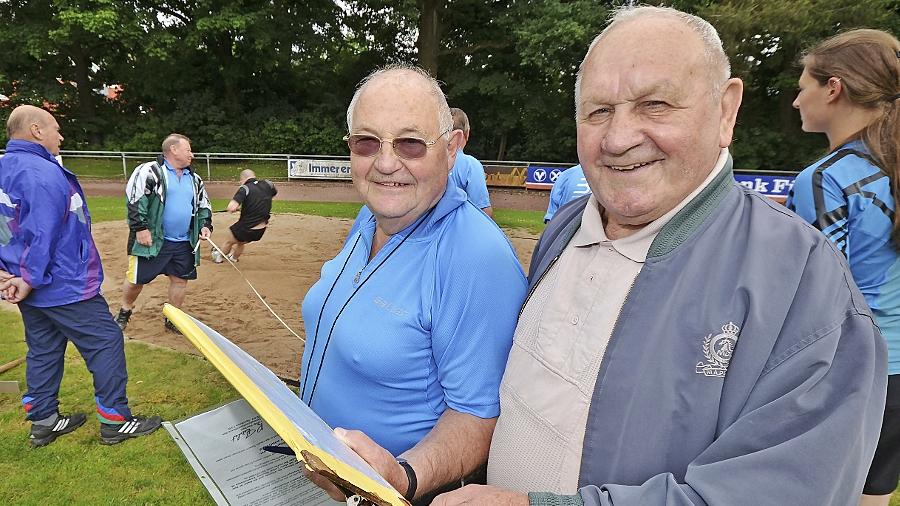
point(410, 147)
point(363, 145)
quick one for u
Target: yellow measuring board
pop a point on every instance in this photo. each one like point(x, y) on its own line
point(302, 430)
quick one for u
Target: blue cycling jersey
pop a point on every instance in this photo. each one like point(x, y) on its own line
point(848, 197)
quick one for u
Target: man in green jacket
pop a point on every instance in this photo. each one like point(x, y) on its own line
point(168, 213)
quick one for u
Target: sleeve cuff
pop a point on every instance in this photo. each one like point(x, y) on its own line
point(548, 499)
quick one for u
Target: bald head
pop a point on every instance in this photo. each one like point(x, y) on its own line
point(33, 124)
point(711, 58)
point(246, 174)
point(18, 126)
point(399, 76)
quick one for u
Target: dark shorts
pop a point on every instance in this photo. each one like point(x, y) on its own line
point(174, 259)
point(885, 469)
point(245, 234)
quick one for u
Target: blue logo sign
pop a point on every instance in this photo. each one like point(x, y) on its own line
point(767, 185)
point(544, 175)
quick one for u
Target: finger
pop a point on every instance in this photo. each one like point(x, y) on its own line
point(12, 295)
point(451, 498)
point(325, 484)
point(357, 440)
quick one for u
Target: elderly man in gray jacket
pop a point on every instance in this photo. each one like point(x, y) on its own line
point(685, 341)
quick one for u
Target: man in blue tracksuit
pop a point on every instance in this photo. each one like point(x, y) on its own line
point(50, 267)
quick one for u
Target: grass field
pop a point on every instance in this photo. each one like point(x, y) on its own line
point(76, 469)
point(113, 208)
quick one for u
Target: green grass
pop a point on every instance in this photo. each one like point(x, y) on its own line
point(532, 221)
point(113, 208)
point(77, 469)
point(106, 208)
point(111, 168)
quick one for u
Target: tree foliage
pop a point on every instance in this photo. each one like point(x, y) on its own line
point(276, 76)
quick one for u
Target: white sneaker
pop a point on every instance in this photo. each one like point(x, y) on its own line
point(217, 257)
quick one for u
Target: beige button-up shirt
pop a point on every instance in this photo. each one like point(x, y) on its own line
point(559, 344)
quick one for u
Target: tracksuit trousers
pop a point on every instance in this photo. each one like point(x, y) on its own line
point(91, 328)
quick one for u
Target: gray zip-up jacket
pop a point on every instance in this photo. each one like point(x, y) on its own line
point(744, 368)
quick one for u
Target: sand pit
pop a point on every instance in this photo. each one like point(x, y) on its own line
point(282, 267)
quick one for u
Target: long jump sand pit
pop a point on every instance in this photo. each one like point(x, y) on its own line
point(282, 267)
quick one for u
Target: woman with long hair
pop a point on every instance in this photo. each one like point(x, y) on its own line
point(849, 91)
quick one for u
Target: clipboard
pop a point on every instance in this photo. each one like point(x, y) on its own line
point(308, 436)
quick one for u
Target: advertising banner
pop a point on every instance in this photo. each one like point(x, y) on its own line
point(306, 168)
point(776, 187)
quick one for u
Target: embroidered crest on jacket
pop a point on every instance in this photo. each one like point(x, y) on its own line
point(718, 350)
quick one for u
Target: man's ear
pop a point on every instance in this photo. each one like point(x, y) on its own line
point(35, 130)
point(732, 94)
point(457, 137)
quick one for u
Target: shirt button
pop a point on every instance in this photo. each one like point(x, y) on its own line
point(574, 320)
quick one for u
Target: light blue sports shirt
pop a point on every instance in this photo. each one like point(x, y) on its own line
point(468, 174)
point(425, 325)
point(848, 197)
point(569, 185)
point(179, 208)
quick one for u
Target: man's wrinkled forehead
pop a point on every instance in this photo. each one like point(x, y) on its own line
point(409, 90)
point(656, 52)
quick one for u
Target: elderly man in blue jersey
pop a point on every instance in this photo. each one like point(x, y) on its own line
point(410, 325)
point(569, 185)
point(686, 341)
point(51, 269)
point(467, 171)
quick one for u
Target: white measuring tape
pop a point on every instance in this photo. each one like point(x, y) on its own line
point(260, 297)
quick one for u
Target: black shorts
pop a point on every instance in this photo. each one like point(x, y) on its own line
point(885, 469)
point(174, 259)
point(245, 234)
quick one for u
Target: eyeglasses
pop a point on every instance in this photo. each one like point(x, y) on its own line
point(408, 148)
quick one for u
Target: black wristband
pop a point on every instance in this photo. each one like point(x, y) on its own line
point(411, 477)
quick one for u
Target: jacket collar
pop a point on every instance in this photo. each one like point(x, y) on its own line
point(164, 165)
point(34, 148)
point(565, 225)
point(686, 221)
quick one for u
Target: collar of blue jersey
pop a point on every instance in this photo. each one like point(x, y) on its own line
point(453, 197)
point(855, 143)
point(165, 163)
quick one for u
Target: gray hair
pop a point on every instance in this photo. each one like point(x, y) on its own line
point(714, 53)
point(445, 120)
point(172, 140)
point(460, 119)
